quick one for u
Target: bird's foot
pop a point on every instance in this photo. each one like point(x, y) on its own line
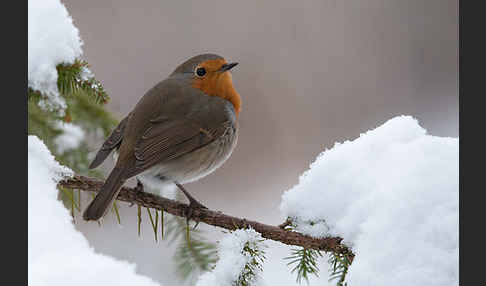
point(138, 189)
point(189, 213)
point(193, 205)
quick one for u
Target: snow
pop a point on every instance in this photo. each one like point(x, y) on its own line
point(393, 195)
point(153, 185)
point(57, 253)
point(232, 259)
point(52, 39)
point(71, 137)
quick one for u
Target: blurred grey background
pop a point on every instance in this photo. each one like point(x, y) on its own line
point(311, 73)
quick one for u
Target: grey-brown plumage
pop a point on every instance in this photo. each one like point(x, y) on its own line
point(176, 133)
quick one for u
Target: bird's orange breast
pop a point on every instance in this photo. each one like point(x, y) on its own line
point(218, 83)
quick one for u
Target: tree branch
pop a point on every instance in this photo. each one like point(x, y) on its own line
point(215, 218)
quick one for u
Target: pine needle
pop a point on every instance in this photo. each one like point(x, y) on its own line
point(339, 265)
point(152, 222)
point(79, 199)
point(156, 223)
point(139, 214)
point(199, 257)
point(251, 271)
point(72, 205)
point(305, 261)
point(162, 224)
point(188, 238)
point(115, 209)
point(70, 196)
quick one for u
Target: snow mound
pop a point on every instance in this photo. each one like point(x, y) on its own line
point(393, 195)
point(232, 259)
point(52, 39)
point(57, 253)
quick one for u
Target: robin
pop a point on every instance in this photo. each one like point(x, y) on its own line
point(181, 130)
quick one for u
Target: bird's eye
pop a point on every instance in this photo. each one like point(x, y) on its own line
point(200, 72)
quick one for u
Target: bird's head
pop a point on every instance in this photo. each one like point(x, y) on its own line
point(210, 73)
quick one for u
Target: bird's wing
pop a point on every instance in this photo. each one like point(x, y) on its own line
point(168, 137)
point(113, 141)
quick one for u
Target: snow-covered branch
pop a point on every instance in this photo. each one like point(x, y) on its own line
point(211, 217)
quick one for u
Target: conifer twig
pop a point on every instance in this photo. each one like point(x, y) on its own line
point(214, 218)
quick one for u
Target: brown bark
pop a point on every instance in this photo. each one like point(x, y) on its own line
point(215, 218)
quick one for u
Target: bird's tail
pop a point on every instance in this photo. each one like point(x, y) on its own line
point(103, 200)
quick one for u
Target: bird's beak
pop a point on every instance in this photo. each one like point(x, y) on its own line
point(227, 67)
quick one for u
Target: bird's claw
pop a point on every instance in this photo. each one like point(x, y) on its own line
point(193, 205)
point(139, 187)
point(189, 211)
